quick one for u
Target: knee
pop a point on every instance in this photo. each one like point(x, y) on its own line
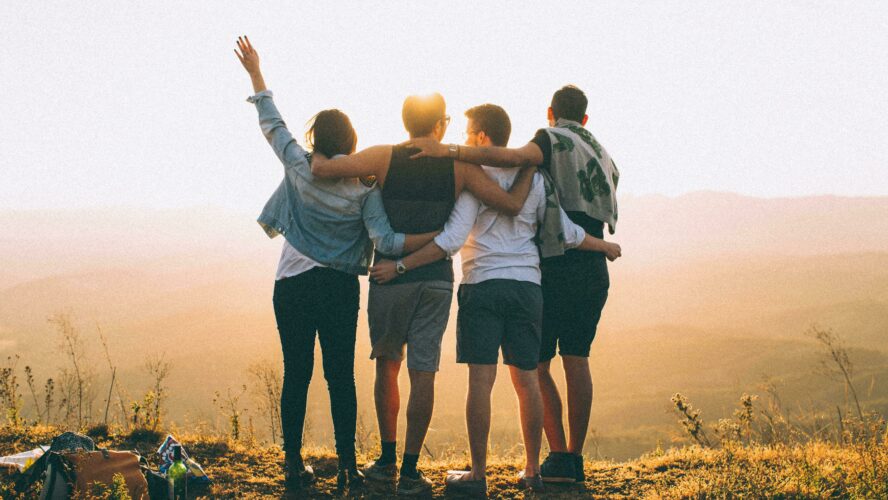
point(339, 377)
point(298, 372)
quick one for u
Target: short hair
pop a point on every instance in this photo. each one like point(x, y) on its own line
point(570, 103)
point(493, 121)
point(421, 113)
point(331, 133)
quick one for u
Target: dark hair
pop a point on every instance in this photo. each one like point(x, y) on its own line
point(421, 113)
point(569, 102)
point(493, 121)
point(331, 133)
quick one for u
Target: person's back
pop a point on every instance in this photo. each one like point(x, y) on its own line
point(418, 197)
point(501, 246)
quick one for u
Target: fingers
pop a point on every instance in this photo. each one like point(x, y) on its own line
point(421, 154)
point(243, 43)
point(239, 56)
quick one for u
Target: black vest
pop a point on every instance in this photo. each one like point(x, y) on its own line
point(418, 196)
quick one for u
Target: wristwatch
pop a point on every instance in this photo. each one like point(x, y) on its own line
point(453, 151)
point(400, 267)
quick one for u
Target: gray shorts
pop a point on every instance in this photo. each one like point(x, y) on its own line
point(412, 314)
point(500, 313)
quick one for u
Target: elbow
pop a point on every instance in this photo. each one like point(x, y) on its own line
point(513, 209)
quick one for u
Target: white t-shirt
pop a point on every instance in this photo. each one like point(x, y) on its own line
point(497, 246)
point(293, 262)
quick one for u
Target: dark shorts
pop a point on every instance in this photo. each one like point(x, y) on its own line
point(496, 313)
point(574, 293)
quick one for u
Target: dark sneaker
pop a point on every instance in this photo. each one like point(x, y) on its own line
point(349, 476)
point(381, 472)
point(296, 478)
point(409, 486)
point(533, 483)
point(458, 482)
point(559, 467)
point(578, 466)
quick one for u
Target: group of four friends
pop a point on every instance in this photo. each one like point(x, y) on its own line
point(529, 227)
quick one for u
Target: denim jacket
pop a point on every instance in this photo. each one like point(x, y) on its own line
point(333, 221)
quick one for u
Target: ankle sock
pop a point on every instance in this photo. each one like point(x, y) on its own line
point(408, 466)
point(388, 455)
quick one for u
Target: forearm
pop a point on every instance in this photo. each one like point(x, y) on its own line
point(258, 81)
point(593, 244)
point(493, 156)
point(414, 242)
point(429, 253)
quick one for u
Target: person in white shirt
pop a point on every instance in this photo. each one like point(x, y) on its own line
point(500, 299)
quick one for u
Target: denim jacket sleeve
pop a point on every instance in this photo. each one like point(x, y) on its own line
point(387, 241)
point(275, 130)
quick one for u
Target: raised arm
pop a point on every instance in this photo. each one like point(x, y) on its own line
point(273, 127)
point(451, 239)
point(473, 178)
point(526, 156)
point(367, 162)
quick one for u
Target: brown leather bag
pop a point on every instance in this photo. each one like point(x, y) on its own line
point(88, 468)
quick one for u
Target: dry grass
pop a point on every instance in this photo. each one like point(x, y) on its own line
point(814, 470)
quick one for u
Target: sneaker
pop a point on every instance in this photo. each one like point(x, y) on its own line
point(559, 467)
point(457, 482)
point(409, 486)
point(349, 476)
point(578, 466)
point(533, 483)
point(374, 471)
point(298, 475)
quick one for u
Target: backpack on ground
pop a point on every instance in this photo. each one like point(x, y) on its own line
point(82, 473)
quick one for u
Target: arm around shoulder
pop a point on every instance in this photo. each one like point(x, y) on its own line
point(366, 162)
point(490, 193)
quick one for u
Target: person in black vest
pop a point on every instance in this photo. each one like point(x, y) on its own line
point(413, 309)
point(575, 284)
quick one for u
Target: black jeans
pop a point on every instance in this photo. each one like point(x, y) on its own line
point(325, 302)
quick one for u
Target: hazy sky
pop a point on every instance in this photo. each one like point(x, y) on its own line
point(125, 103)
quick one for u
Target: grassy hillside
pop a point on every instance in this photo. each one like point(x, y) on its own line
point(815, 470)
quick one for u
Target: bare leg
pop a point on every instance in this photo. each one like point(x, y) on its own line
point(419, 409)
point(387, 398)
point(551, 409)
point(579, 400)
point(481, 379)
point(530, 405)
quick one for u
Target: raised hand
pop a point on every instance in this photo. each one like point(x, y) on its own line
point(249, 58)
point(247, 55)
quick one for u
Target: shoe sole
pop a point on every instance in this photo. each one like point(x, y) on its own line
point(379, 478)
point(425, 491)
point(560, 480)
